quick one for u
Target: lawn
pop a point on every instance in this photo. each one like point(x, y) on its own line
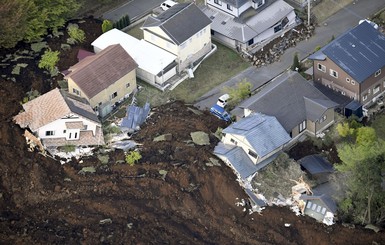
point(217, 69)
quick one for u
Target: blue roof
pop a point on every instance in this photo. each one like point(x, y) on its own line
point(237, 158)
point(360, 52)
point(264, 133)
point(135, 116)
point(316, 164)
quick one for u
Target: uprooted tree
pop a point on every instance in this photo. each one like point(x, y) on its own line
point(49, 60)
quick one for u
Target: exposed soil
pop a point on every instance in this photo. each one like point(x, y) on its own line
point(43, 202)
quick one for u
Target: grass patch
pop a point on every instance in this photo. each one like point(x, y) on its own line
point(327, 8)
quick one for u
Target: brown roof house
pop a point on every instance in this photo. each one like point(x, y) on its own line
point(103, 79)
point(59, 118)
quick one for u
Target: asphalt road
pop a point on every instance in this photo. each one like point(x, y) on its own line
point(135, 9)
point(337, 24)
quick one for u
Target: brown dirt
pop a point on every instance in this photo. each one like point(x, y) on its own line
point(43, 202)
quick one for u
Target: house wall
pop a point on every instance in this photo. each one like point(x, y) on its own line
point(225, 7)
point(321, 126)
point(59, 126)
point(191, 50)
point(350, 87)
point(104, 96)
point(316, 209)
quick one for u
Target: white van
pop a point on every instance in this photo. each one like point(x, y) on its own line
point(167, 4)
point(222, 101)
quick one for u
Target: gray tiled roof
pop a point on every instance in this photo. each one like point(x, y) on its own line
point(316, 164)
point(244, 30)
point(360, 52)
point(291, 99)
point(264, 133)
point(237, 158)
point(328, 202)
point(180, 22)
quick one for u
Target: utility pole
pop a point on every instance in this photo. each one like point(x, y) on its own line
point(308, 12)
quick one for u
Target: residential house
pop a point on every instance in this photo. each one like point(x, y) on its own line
point(155, 65)
point(248, 144)
point(103, 79)
point(296, 103)
point(59, 118)
point(353, 64)
point(320, 207)
point(244, 24)
point(317, 166)
point(182, 30)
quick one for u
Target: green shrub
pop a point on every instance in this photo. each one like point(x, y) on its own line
point(75, 33)
point(49, 60)
point(68, 148)
point(107, 25)
point(133, 157)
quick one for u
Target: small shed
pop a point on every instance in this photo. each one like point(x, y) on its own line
point(353, 108)
point(317, 166)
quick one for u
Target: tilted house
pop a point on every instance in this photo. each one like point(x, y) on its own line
point(295, 102)
point(320, 207)
point(182, 30)
point(353, 64)
point(155, 65)
point(59, 119)
point(246, 144)
point(243, 24)
point(103, 79)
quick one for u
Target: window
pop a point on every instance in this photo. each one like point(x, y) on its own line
point(278, 28)
point(323, 119)
point(64, 131)
point(229, 7)
point(128, 85)
point(369, 91)
point(260, 2)
point(308, 204)
point(112, 96)
point(253, 154)
point(348, 80)
point(314, 206)
point(321, 67)
point(365, 97)
point(333, 73)
point(376, 89)
point(318, 209)
point(353, 82)
point(49, 133)
point(75, 91)
point(218, 2)
point(377, 73)
point(233, 141)
point(323, 210)
point(302, 126)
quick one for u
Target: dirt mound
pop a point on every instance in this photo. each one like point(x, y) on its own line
point(172, 196)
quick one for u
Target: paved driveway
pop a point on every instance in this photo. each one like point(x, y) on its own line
point(335, 25)
point(135, 9)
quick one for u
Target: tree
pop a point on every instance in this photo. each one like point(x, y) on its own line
point(363, 164)
point(106, 26)
point(75, 33)
point(296, 66)
point(49, 60)
point(239, 93)
point(366, 135)
point(133, 157)
point(14, 17)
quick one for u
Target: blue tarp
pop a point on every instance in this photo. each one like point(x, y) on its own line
point(135, 116)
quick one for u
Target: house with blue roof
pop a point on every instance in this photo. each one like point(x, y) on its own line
point(247, 145)
point(353, 64)
point(297, 105)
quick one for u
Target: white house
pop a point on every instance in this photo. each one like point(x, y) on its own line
point(155, 65)
point(59, 119)
point(243, 24)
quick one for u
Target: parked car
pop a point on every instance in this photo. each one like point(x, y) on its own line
point(220, 112)
point(222, 101)
point(167, 4)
